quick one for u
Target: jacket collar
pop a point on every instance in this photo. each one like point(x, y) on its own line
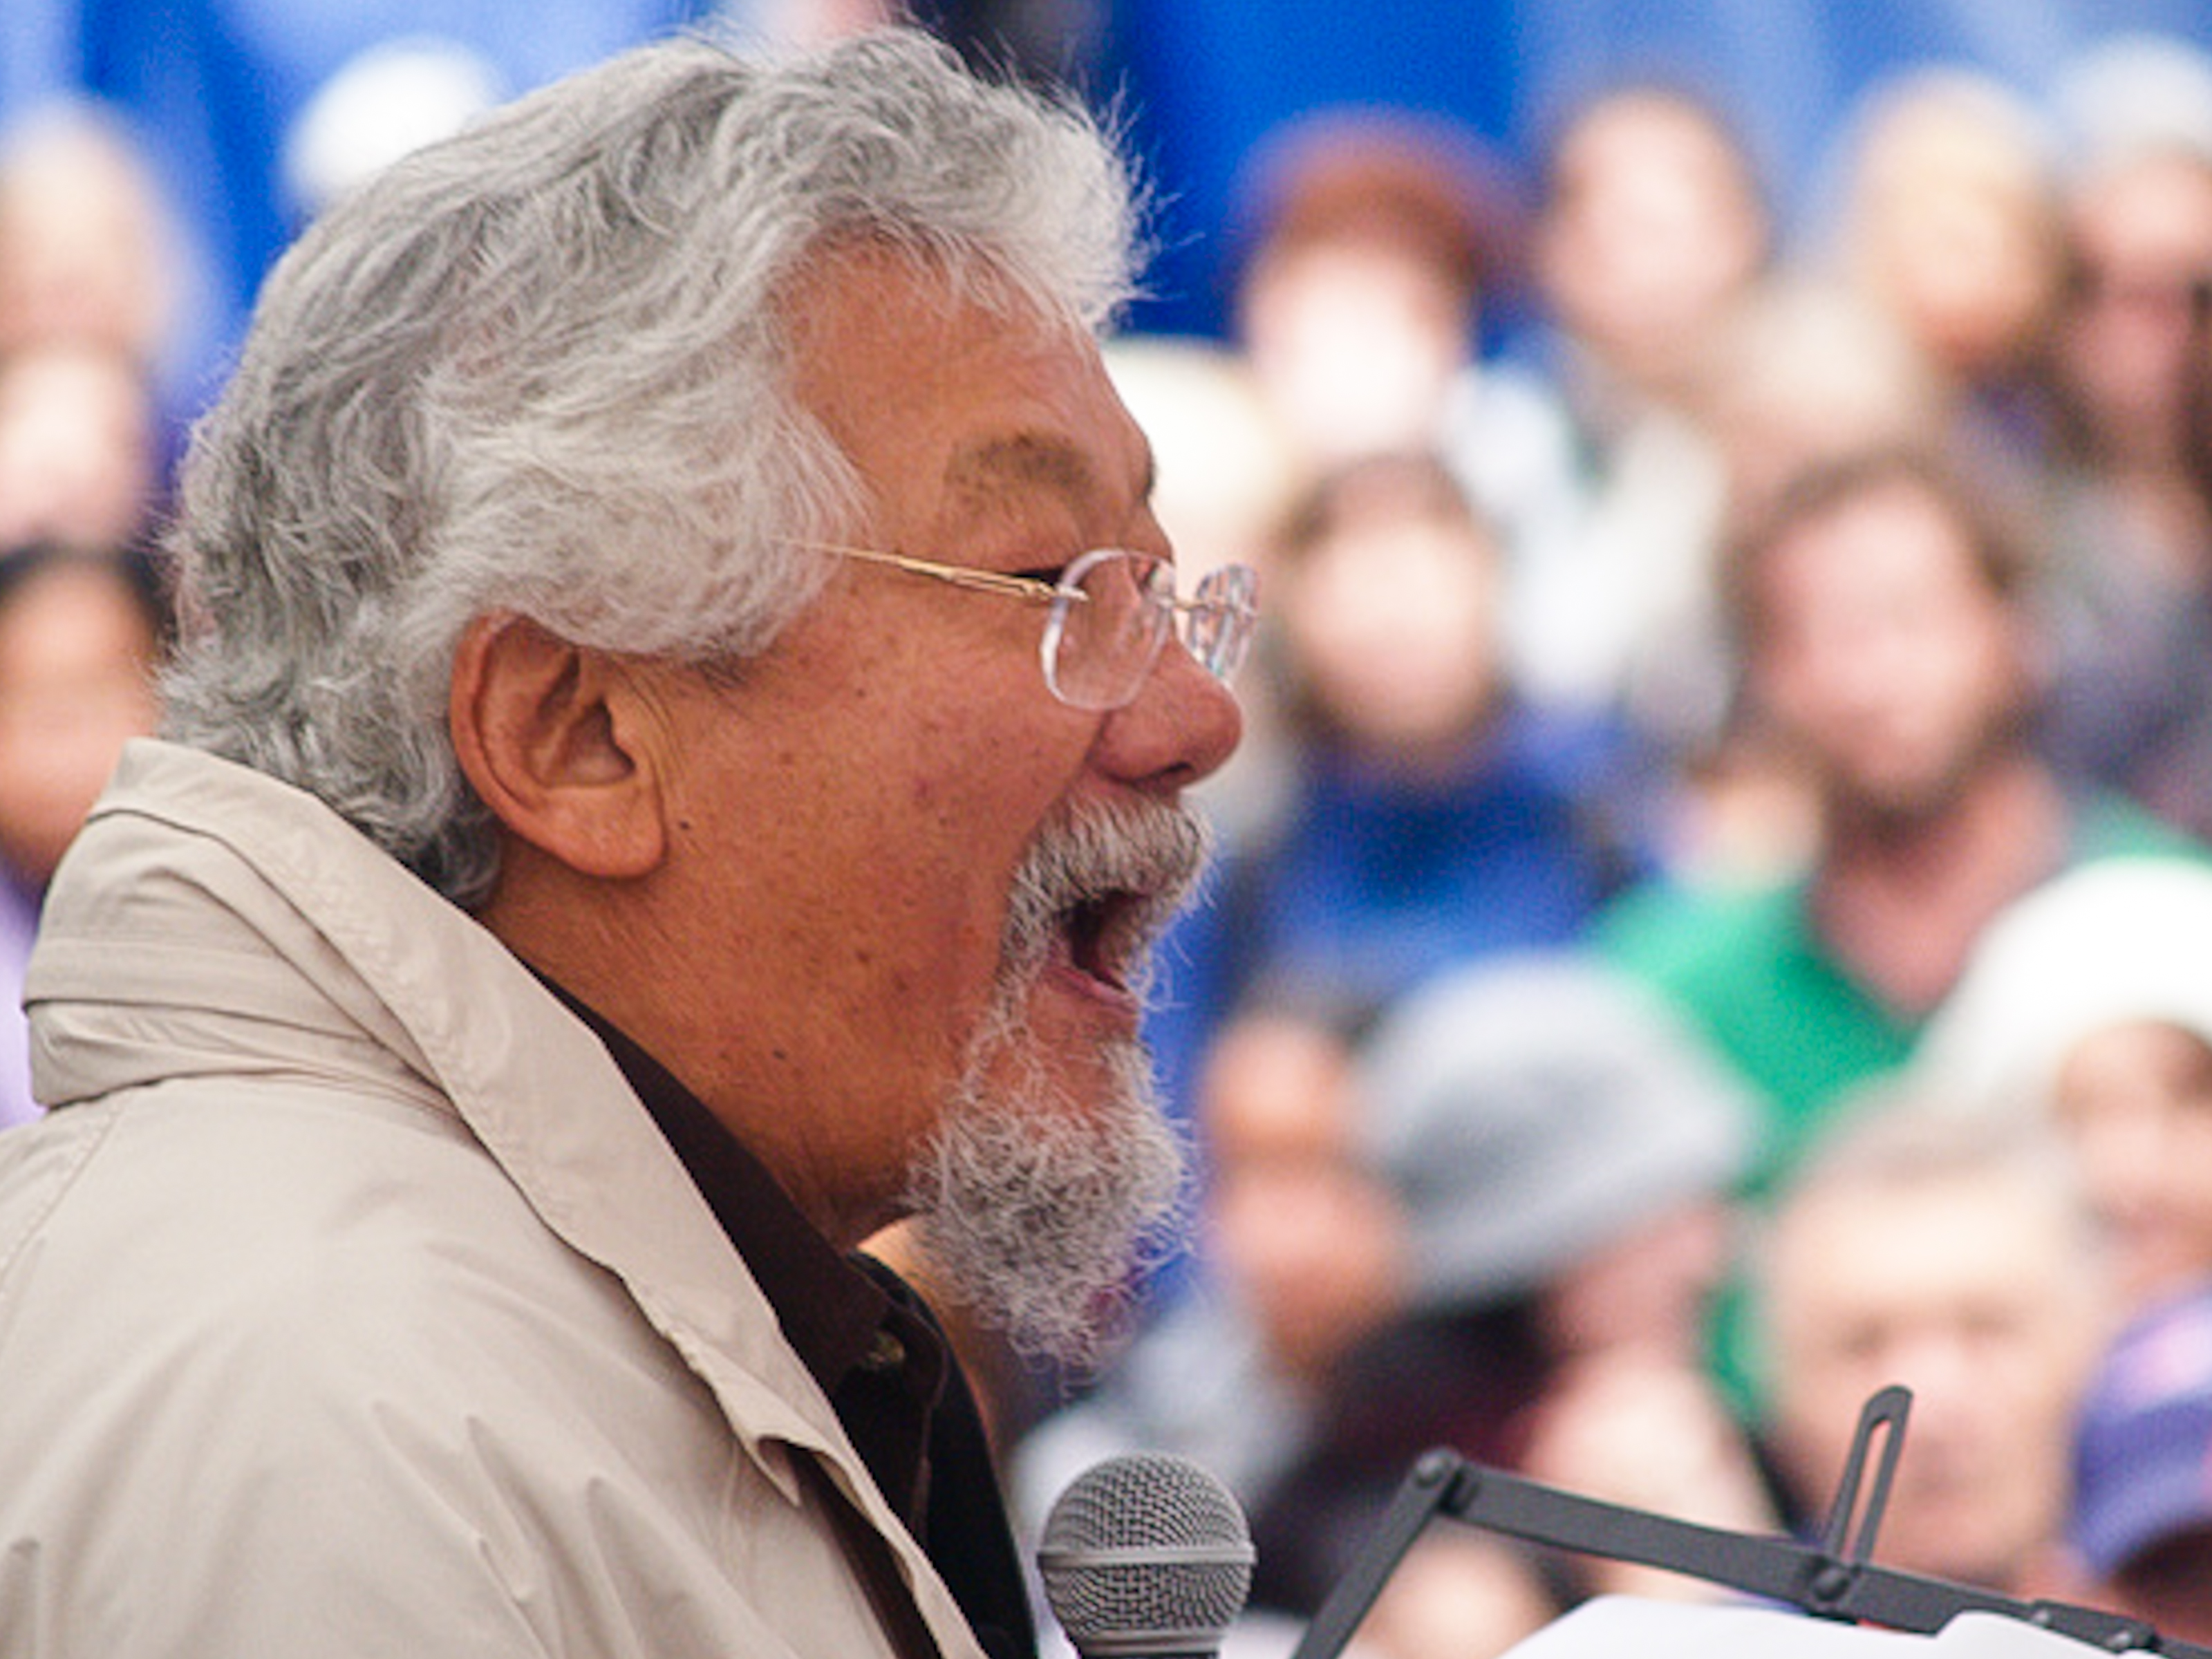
point(212, 918)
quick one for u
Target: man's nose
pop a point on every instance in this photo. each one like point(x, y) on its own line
point(1181, 727)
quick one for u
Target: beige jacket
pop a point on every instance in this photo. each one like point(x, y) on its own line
point(352, 1305)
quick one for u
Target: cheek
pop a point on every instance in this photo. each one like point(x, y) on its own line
point(972, 798)
point(950, 815)
point(905, 772)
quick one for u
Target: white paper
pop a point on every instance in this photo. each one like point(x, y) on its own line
point(1989, 1635)
point(1623, 1627)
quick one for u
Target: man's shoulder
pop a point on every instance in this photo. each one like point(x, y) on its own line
point(207, 1289)
point(333, 1410)
point(310, 1233)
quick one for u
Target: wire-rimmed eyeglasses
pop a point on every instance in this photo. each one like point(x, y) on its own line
point(1110, 615)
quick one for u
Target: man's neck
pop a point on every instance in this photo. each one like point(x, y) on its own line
point(1900, 904)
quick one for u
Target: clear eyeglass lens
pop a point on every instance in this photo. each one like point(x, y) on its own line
point(1218, 627)
point(1098, 650)
point(1106, 642)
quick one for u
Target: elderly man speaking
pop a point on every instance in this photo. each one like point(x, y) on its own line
point(673, 763)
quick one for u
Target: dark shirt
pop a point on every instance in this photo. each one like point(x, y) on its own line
point(878, 1352)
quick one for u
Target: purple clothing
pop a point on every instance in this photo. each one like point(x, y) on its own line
point(19, 923)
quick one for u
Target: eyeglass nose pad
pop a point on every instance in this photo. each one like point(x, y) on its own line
point(1149, 624)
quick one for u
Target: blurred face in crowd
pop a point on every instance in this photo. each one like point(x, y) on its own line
point(2134, 1100)
point(1954, 229)
point(1310, 1235)
point(1653, 228)
point(1391, 617)
point(84, 254)
point(1805, 375)
point(1647, 1291)
point(2141, 259)
point(1354, 341)
point(1886, 654)
point(77, 447)
point(1968, 1288)
point(76, 667)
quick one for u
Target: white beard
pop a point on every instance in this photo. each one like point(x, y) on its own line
point(1038, 1208)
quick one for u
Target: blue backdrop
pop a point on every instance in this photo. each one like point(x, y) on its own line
point(1205, 78)
point(212, 84)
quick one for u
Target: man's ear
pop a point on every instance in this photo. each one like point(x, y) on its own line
point(547, 735)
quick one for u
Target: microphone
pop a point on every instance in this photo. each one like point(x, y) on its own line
point(1147, 1556)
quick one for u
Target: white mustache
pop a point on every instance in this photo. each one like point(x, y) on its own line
point(1148, 854)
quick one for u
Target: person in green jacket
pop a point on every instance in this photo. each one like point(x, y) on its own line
point(1888, 646)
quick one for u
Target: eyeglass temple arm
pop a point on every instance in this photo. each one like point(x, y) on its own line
point(959, 575)
point(1814, 1578)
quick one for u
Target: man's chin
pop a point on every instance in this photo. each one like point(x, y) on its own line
point(1898, 807)
point(1079, 1048)
point(1041, 1201)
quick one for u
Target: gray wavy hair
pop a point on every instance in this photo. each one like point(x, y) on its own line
point(539, 368)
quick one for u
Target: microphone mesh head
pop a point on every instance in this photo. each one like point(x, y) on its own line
point(1146, 1553)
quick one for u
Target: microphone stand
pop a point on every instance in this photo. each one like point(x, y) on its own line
point(1832, 1579)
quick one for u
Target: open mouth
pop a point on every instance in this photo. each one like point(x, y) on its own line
point(1091, 894)
point(1104, 935)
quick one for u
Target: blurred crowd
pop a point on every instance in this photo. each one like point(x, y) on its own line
point(1715, 906)
point(1707, 920)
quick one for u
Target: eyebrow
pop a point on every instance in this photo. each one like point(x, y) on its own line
point(1034, 461)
